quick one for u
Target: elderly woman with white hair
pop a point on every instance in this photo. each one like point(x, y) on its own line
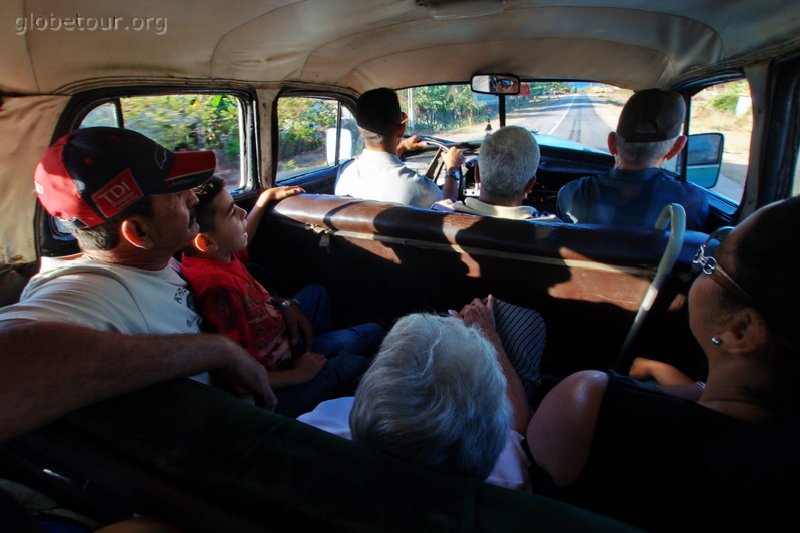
point(441, 393)
point(508, 162)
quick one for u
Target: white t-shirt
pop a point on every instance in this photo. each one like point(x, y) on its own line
point(109, 297)
point(382, 176)
point(510, 471)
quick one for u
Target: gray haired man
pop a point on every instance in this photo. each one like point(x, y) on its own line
point(634, 192)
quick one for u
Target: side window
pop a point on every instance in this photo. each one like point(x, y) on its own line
point(184, 122)
point(796, 185)
point(726, 109)
point(310, 129)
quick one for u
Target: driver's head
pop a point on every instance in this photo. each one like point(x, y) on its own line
point(379, 116)
point(508, 162)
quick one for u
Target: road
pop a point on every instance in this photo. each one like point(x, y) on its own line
point(577, 117)
point(573, 117)
point(588, 119)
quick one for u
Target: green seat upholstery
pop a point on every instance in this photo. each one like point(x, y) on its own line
point(204, 458)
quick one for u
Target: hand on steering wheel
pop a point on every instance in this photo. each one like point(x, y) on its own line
point(410, 144)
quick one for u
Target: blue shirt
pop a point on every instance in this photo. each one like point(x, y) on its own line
point(631, 198)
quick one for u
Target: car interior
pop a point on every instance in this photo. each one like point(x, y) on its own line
point(204, 461)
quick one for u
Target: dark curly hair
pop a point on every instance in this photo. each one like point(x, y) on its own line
point(765, 262)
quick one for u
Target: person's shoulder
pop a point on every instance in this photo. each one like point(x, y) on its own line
point(689, 191)
point(346, 172)
point(206, 274)
point(95, 276)
point(332, 416)
point(577, 184)
point(583, 387)
point(560, 432)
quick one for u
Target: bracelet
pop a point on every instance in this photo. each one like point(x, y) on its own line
point(284, 303)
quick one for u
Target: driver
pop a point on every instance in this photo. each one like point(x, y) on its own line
point(379, 174)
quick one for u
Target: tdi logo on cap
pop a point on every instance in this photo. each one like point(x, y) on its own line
point(120, 193)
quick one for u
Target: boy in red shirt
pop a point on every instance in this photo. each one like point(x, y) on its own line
point(233, 303)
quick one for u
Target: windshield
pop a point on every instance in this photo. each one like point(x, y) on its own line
point(555, 111)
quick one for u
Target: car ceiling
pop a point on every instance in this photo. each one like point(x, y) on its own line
point(397, 43)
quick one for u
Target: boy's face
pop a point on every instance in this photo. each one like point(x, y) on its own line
point(230, 225)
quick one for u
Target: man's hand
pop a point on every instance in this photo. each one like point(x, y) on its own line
point(245, 375)
point(453, 158)
point(276, 194)
point(296, 325)
point(410, 144)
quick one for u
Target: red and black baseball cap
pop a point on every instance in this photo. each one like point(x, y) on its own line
point(93, 174)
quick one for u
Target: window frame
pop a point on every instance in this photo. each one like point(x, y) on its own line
point(53, 242)
point(343, 100)
point(726, 207)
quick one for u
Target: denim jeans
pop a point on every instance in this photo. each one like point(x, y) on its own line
point(362, 339)
point(348, 352)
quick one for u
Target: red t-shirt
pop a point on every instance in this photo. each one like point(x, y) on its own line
point(233, 303)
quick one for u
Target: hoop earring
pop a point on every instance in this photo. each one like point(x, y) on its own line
point(716, 341)
point(199, 244)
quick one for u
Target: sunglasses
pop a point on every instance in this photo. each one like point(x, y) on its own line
point(705, 261)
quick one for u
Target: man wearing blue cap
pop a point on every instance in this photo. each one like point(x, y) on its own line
point(635, 191)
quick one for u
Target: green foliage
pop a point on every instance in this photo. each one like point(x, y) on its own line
point(189, 122)
point(728, 97)
point(442, 107)
point(302, 123)
point(724, 102)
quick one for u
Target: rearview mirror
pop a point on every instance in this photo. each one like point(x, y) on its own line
point(495, 84)
point(704, 158)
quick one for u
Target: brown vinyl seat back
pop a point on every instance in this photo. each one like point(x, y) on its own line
point(382, 260)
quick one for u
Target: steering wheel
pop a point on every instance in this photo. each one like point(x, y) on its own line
point(437, 164)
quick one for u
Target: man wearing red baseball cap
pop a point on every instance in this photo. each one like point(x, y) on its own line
point(116, 316)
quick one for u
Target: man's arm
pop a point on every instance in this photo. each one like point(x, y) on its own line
point(48, 370)
point(453, 159)
point(481, 316)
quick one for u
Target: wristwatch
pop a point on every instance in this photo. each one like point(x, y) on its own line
point(454, 173)
point(283, 303)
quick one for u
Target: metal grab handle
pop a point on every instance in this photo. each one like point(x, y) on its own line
point(673, 216)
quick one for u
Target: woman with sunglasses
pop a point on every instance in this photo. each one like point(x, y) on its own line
point(727, 461)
